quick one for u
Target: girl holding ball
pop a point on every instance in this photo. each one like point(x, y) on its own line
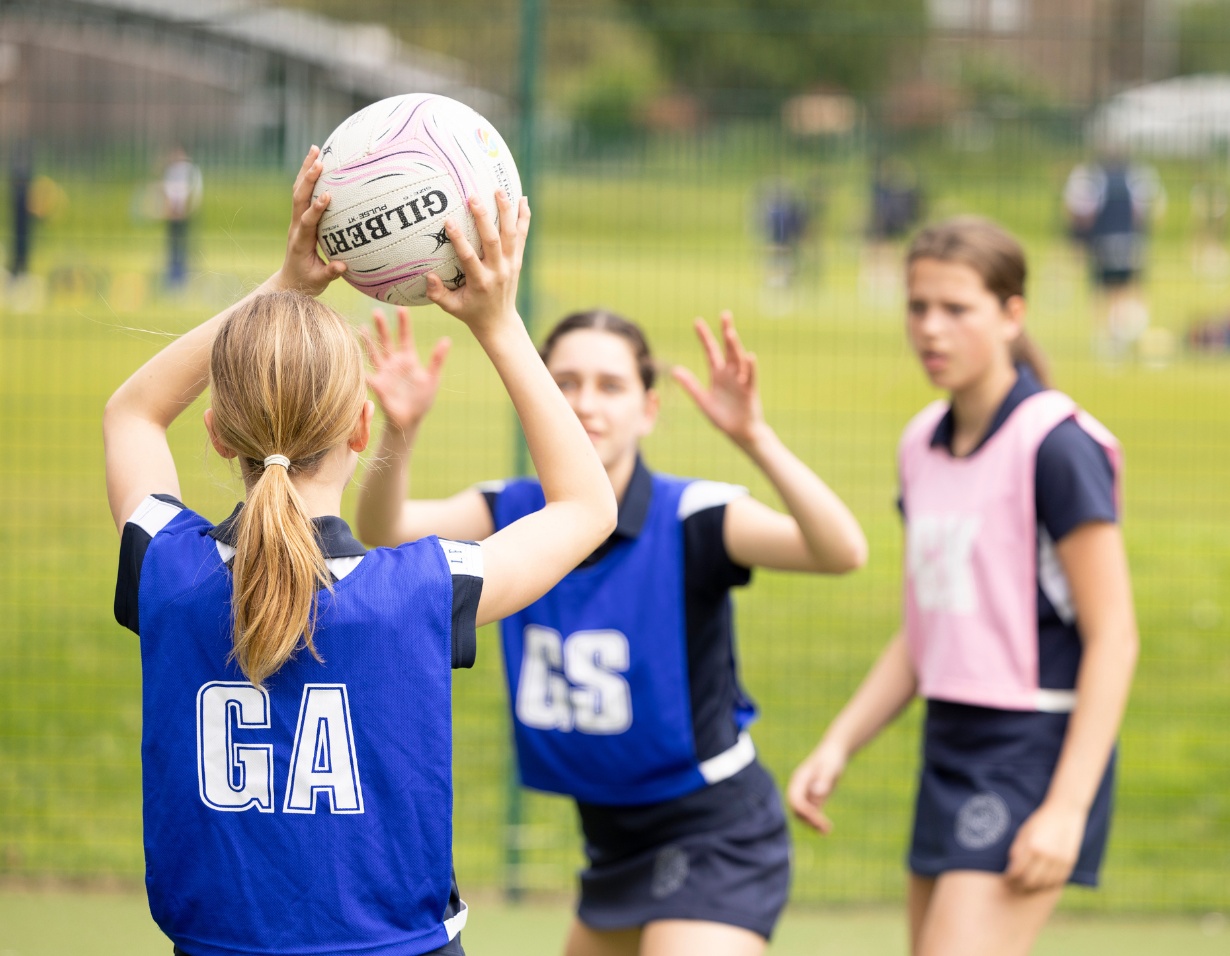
point(1019, 630)
point(297, 737)
point(622, 679)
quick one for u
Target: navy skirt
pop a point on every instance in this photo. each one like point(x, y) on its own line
point(984, 772)
point(721, 855)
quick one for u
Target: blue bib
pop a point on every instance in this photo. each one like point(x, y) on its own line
point(597, 669)
point(315, 815)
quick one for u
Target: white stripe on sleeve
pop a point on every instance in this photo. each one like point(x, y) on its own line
point(700, 495)
point(463, 557)
point(153, 514)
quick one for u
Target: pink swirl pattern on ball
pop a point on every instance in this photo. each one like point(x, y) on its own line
point(418, 141)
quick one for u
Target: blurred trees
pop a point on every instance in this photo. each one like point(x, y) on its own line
point(778, 47)
point(1204, 31)
point(614, 51)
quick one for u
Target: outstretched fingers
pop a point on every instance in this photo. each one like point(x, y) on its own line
point(378, 347)
point(689, 383)
point(405, 331)
point(713, 352)
point(435, 365)
point(305, 181)
point(736, 355)
point(514, 225)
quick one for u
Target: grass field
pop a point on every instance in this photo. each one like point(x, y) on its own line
point(118, 924)
point(662, 239)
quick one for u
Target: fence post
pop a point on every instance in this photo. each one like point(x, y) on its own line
point(531, 24)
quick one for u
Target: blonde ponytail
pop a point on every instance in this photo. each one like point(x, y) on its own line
point(287, 380)
point(278, 571)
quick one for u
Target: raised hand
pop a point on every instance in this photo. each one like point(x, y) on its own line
point(732, 400)
point(404, 387)
point(490, 289)
point(812, 783)
point(303, 268)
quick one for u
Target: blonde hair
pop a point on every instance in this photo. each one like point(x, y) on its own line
point(998, 259)
point(286, 378)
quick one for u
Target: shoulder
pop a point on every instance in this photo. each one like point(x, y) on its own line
point(921, 427)
point(462, 558)
point(701, 510)
point(697, 495)
point(1075, 479)
point(157, 517)
point(509, 499)
point(155, 512)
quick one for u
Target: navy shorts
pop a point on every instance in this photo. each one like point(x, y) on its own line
point(721, 855)
point(984, 772)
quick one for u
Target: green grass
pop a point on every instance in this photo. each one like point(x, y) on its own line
point(661, 241)
point(118, 924)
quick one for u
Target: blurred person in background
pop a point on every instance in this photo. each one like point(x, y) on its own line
point(1110, 204)
point(784, 220)
point(182, 188)
point(21, 177)
point(896, 207)
point(1019, 631)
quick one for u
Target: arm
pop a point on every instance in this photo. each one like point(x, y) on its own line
point(137, 416)
point(888, 687)
point(1048, 843)
point(526, 559)
point(406, 390)
point(819, 533)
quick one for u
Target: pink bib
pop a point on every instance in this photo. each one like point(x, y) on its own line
point(971, 575)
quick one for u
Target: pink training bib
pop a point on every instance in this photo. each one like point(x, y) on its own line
point(971, 575)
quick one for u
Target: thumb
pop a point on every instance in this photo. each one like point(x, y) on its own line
point(440, 294)
point(438, 355)
point(689, 383)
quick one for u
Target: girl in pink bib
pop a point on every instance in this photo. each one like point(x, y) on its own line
point(1019, 630)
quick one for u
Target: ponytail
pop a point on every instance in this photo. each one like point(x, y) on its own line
point(278, 571)
point(287, 388)
point(1025, 351)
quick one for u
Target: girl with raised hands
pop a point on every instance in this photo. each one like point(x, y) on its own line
point(297, 737)
point(622, 679)
point(1019, 629)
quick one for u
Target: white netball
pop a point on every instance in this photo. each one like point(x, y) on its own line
point(396, 171)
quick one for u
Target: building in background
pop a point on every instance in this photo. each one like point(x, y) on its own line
point(1079, 50)
point(263, 80)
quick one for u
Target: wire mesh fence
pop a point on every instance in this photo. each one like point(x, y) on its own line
point(670, 143)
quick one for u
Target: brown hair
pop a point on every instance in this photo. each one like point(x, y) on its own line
point(286, 378)
point(603, 321)
point(997, 258)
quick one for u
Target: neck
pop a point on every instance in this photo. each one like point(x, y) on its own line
point(322, 490)
point(974, 406)
point(620, 475)
point(320, 499)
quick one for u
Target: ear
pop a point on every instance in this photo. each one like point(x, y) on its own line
point(653, 403)
point(1014, 315)
point(362, 433)
point(211, 428)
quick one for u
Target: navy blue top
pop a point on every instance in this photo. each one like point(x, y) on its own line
point(330, 786)
point(1074, 483)
point(336, 541)
point(708, 575)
